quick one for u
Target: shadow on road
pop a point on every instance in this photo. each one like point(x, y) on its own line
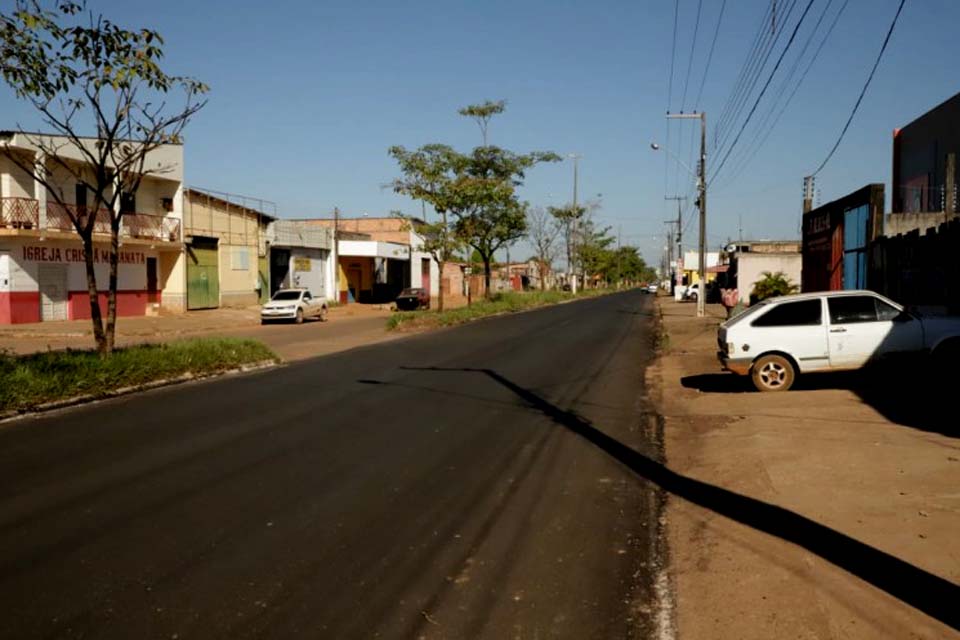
point(910, 401)
point(918, 588)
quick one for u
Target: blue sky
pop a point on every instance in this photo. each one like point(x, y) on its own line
point(307, 96)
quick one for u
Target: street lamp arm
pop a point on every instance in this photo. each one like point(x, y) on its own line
point(657, 147)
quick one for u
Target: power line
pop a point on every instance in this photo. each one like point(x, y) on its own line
point(745, 72)
point(673, 56)
point(763, 131)
point(864, 91)
point(724, 135)
point(713, 45)
point(693, 50)
point(764, 90)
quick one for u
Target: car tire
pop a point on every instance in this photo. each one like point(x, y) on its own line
point(692, 297)
point(773, 373)
point(299, 318)
point(323, 314)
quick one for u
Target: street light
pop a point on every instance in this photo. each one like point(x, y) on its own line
point(701, 177)
point(657, 147)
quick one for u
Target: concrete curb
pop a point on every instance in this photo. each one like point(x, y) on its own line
point(14, 414)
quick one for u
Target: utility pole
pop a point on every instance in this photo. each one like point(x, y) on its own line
point(702, 202)
point(619, 272)
point(573, 235)
point(678, 280)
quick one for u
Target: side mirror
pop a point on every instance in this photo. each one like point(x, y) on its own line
point(903, 316)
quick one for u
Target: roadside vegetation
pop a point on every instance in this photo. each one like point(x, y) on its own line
point(508, 302)
point(28, 381)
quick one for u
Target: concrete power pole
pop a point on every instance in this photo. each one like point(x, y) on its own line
point(573, 235)
point(702, 201)
point(678, 281)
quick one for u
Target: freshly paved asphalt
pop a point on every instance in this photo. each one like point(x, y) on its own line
point(424, 487)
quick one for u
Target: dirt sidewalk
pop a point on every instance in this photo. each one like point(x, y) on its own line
point(872, 504)
point(349, 326)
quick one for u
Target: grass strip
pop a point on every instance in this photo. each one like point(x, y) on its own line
point(30, 380)
point(507, 302)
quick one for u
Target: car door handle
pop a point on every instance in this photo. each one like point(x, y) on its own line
point(838, 330)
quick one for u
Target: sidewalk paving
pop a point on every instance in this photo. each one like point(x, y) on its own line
point(825, 454)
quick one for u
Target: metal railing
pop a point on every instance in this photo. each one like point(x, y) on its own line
point(24, 213)
point(60, 217)
point(19, 213)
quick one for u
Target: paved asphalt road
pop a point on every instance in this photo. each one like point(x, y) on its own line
point(424, 487)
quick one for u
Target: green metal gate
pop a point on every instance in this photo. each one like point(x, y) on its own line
point(263, 274)
point(203, 275)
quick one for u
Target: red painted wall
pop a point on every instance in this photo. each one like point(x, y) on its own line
point(129, 303)
point(17, 307)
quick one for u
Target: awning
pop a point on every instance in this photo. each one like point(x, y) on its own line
point(373, 249)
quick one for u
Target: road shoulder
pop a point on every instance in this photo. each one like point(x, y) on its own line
point(824, 455)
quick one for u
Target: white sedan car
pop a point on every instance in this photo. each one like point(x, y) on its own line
point(295, 305)
point(779, 338)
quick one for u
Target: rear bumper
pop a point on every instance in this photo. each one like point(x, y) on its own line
point(739, 366)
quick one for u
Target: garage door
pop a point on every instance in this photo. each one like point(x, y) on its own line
point(53, 291)
point(203, 275)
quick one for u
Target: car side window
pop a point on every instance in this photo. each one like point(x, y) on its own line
point(852, 309)
point(886, 312)
point(803, 313)
point(306, 295)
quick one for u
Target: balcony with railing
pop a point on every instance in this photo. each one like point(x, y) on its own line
point(19, 213)
point(24, 214)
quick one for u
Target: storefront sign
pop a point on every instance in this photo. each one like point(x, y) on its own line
point(71, 254)
point(301, 264)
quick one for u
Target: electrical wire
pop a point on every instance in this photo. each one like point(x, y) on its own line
point(763, 91)
point(713, 45)
point(745, 72)
point(864, 90)
point(673, 56)
point(724, 135)
point(763, 131)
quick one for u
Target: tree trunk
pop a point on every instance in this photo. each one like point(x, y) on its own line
point(95, 316)
point(543, 275)
point(486, 275)
point(112, 291)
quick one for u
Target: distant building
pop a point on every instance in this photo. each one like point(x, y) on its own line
point(750, 259)
point(382, 257)
point(226, 249)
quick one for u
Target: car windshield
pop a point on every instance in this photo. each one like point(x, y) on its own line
point(286, 295)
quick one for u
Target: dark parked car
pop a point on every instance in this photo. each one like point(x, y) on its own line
point(413, 298)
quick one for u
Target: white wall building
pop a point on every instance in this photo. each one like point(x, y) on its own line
point(301, 255)
point(42, 268)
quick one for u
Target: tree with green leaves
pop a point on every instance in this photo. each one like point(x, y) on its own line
point(429, 176)
point(478, 189)
point(543, 232)
point(482, 113)
point(86, 76)
point(593, 253)
point(771, 285)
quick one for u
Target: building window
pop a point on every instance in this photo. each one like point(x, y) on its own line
point(128, 202)
point(240, 258)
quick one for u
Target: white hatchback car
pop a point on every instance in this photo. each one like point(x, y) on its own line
point(779, 338)
point(295, 305)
